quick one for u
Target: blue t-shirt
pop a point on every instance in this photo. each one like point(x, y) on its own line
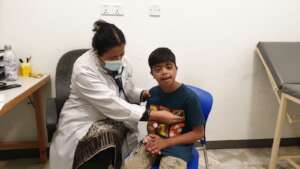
point(183, 101)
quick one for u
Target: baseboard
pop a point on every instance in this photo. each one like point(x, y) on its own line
point(254, 143)
point(20, 153)
point(222, 144)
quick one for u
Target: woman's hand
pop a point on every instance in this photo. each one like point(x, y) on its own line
point(164, 116)
point(145, 95)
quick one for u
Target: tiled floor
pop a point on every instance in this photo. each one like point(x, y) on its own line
point(218, 159)
point(245, 158)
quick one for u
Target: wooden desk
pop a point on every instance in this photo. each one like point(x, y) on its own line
point(30, 87)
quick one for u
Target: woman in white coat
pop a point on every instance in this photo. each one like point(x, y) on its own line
point(99, 119)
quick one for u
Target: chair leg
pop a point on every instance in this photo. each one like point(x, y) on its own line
point(205, 156)
point(278, 132)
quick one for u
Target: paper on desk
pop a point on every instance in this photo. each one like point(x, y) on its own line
point(2, 96)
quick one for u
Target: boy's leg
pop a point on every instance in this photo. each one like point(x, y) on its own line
point(139, 159)
point(169, 162)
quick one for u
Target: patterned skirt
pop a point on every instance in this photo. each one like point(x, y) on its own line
point(101, 136)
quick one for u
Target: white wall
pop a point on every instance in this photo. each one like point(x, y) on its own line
point(214, 42)
point(1, 11)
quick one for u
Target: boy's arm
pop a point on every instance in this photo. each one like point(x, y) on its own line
point(158, 143)
point(187, 138)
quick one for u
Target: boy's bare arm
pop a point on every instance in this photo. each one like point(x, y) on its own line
point(158, 143)
point(187, 138)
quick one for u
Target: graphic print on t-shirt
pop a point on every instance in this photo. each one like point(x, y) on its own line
point(166, 130)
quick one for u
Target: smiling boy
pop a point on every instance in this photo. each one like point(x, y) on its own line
point(172, 144)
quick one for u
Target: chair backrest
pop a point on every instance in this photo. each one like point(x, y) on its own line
point(205, 98)
point(63, 76)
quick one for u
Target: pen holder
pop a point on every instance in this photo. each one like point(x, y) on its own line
point(25, 69)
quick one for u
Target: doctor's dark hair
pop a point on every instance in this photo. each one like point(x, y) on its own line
point(106, 36)
point(161, 55)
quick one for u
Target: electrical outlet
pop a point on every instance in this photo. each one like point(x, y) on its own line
point(117, 10)
point(112, 10)
point(105, 9)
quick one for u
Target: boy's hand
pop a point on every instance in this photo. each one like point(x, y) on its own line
point(154, 144)
point(176, 129)
point(165, 117)
point(145, 95)
point(147, 139)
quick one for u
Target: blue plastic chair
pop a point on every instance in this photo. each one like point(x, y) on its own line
point(206, 101)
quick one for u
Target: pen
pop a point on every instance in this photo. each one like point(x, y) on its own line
point(28, 59)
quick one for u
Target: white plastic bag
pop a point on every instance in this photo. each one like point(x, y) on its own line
point(11, 64)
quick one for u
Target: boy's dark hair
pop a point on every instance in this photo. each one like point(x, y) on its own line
point(106, 36)
point(161, 55)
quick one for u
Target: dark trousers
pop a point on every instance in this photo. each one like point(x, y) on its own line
point(101, 160)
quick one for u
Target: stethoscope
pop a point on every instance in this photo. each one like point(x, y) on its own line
point(117, 76)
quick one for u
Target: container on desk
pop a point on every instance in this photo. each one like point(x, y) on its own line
point(2, 72)
point(25, 69)
point(2, 65)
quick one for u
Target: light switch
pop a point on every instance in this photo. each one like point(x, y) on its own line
point(154, 10)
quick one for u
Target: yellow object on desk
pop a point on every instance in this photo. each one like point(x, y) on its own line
point(25, 69)
point(36, 75)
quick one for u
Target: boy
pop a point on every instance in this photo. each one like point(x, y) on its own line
point(174, 142)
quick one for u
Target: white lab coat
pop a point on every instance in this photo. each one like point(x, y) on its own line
point(94, 96)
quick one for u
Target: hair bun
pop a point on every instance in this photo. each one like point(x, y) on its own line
point(99, 24)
